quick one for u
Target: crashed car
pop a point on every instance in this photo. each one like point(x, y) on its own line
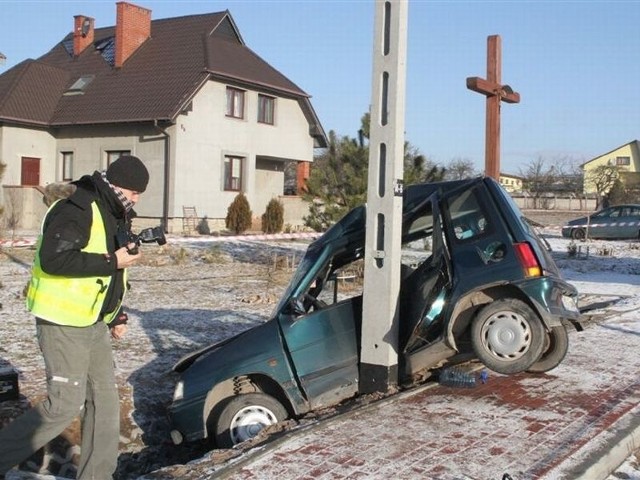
point(476, 283)
point(621, 221)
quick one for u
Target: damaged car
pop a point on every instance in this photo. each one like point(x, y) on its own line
point(477, 282)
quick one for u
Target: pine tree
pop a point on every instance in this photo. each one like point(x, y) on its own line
point(238, 218)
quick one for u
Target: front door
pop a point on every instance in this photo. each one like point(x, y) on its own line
point(323, 348)
point(30, 171)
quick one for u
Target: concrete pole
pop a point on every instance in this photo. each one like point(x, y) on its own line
point(379, 353)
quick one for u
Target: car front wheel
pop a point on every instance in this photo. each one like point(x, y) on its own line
point(244, 416)
point(578, 234)
point(507, 336)
point(555, 348)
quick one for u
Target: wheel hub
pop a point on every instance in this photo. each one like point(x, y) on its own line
point(249, 421)
point(507, 335)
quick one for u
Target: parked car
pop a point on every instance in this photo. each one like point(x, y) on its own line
point(620, 221)
point(476, 282)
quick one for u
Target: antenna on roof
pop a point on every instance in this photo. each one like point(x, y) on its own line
point(86, 26)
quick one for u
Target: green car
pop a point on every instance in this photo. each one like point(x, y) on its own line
point(476, 283)
point(621, 221)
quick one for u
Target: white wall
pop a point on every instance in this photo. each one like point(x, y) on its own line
point(204, 136)
point(18, 142)
point(91, 144)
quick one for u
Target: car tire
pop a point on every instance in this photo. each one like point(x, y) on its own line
point(507, 336)
point(555, 349)
point(244, 416)
point(579, 234)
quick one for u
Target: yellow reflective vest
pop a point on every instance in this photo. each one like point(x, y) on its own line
point(72, 301)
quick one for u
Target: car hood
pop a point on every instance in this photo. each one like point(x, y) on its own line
point(186, 361)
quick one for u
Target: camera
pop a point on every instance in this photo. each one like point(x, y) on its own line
point(147, 235)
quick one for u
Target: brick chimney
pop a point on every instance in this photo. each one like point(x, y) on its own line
point(82, 33)
point(133, 27)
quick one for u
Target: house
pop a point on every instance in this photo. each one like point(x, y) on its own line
point(625, 159)
point(511, 183)
point(208, 116)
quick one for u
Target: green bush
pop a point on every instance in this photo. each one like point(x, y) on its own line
point(238, 215)
point(273, 217)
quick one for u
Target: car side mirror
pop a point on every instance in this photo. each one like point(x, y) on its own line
point(296, 305)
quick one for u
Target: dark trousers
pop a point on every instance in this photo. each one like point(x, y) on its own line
point(80, 381)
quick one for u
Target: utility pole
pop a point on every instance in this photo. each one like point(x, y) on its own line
point(495, 93)
point(379, 351)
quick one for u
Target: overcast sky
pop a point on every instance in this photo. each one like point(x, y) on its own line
point(575, 64)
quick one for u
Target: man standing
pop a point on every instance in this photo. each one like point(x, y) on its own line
point(78, 282)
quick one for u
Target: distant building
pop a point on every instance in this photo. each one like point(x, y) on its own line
point(511, 183)
point(626, 160)
point(208, 116)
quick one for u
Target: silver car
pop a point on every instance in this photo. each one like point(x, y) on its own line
point(620, 221)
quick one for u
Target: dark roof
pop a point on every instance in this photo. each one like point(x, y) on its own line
point(30, 92)
point(156, 82)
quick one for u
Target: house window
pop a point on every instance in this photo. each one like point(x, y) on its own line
point(623, 161)
point(233, 173)
point(113, 155)
point(266, 106)
point(235, 103)
point(67, 166)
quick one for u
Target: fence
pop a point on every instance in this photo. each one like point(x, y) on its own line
point(553, 202)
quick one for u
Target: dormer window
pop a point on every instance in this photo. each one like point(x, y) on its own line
point(80, 85)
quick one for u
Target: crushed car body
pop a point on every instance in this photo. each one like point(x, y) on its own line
point(476, 283)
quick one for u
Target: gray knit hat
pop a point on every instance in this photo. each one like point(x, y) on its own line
point(128, 172)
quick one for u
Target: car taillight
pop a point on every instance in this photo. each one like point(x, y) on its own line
point(528, 260)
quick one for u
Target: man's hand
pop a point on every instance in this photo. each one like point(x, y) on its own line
point(124, 259)
point(119, 331)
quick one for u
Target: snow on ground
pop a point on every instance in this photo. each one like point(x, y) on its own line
point(186, 295)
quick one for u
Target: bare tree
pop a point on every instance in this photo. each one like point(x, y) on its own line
point(460, 168)
point(537, 178)
point(602, 179)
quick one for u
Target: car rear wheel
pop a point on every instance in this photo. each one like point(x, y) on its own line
point(244, 416)
point(555, 349)
point(578, 234)
point(507, 336)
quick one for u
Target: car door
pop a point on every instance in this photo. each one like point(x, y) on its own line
point(323, 349)
point(627, 223)
point(605, 223)
point(425, 288)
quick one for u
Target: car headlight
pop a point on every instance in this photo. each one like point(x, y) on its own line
point(178, 393)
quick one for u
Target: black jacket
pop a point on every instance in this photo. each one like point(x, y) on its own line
point(66, 231)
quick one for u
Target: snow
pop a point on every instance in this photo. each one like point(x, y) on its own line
point(191, 293)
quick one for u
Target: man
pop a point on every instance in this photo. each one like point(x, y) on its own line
point(78, 283)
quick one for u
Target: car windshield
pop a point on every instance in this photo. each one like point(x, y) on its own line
point(319, 252)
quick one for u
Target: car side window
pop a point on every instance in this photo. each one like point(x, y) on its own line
point(468, 218)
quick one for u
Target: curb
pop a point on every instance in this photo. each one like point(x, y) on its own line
point(614, 447)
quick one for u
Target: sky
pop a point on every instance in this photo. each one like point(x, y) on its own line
point(574, 64)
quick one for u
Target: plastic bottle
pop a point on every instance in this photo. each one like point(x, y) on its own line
point(455, 377)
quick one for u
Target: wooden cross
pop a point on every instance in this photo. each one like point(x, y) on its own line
point(495, 93)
